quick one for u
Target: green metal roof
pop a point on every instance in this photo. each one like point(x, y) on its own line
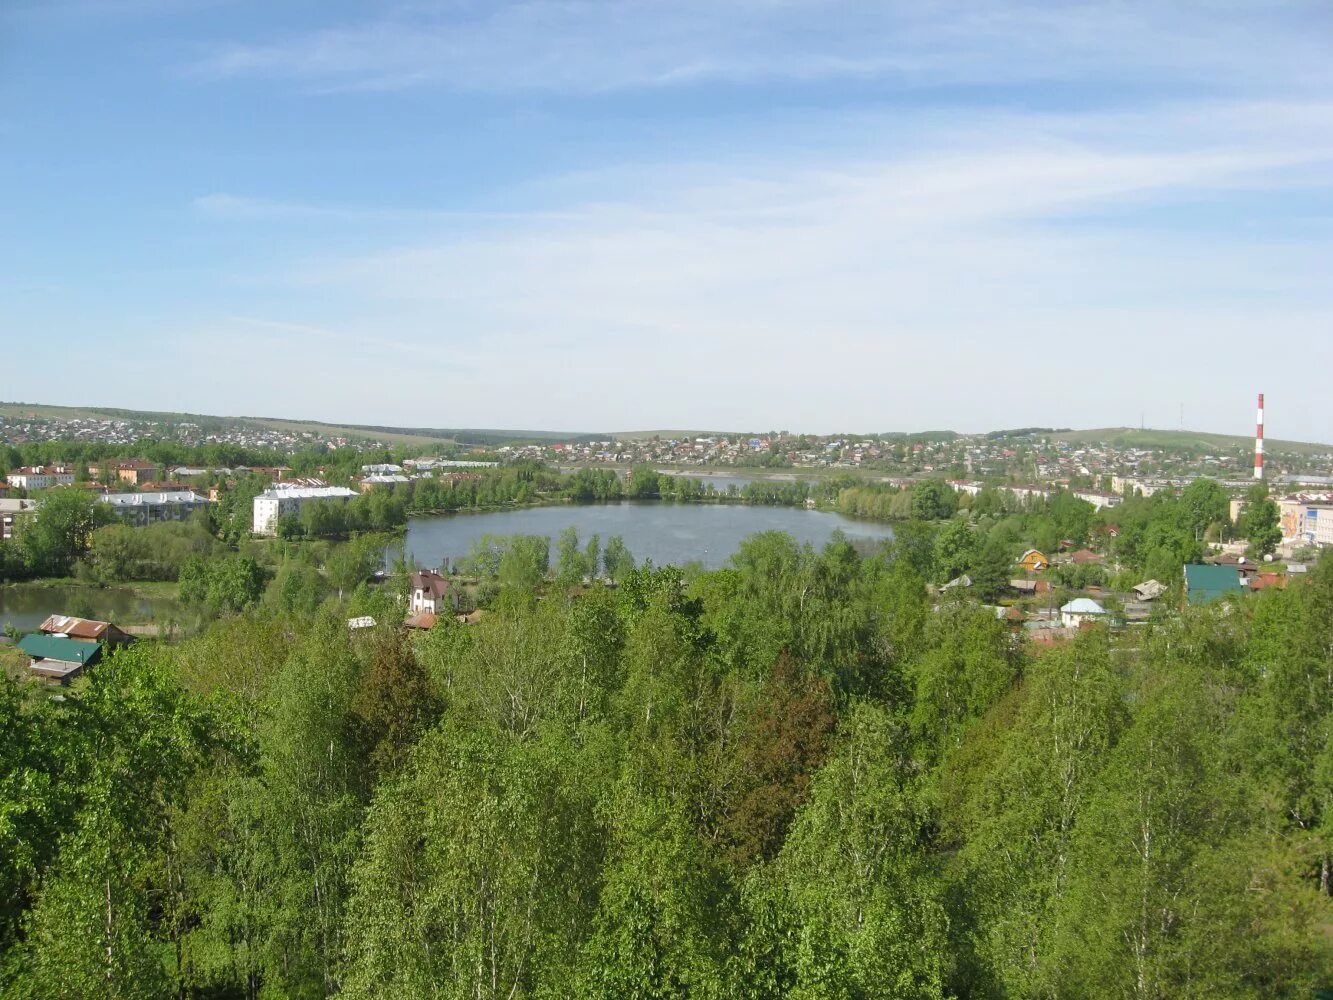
point(59, 647)
point(1206, 583)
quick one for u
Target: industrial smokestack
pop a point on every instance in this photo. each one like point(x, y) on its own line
point(1259, 441)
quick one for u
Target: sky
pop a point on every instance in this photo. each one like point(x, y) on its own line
point(608, 215)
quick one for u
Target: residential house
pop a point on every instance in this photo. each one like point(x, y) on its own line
point(1081, 611)
point(1205, 583)
point(429, 592)
point(1034, 561)
point(41, 477)
point(281, 501)
point(58, 657)
point(149, 508)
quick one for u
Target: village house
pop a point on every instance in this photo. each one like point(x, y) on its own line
point(64, 646)
point(1033, 561)
point(429, 592)
point(1081, 611)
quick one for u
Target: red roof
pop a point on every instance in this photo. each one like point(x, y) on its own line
point(431, 582)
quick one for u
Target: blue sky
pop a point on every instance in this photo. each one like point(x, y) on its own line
point(803, 214)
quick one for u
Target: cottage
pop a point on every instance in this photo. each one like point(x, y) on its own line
point(429, 592)
point(1080, 611)
point(1033, 561)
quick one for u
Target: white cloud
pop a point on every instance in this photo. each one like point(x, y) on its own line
point(592, 46)
point(956, 286)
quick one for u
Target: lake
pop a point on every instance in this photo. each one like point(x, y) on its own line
point(662, 532)
point(27, 605)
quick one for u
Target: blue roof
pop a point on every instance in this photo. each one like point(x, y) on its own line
point(1206, 583)
point(59, 647)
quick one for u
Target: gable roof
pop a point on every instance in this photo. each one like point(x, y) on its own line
point(1083, 606)
point(431, 582)
point(75, 628)
point(1206, 583)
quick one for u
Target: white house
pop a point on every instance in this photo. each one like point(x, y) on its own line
point(1080, 610)
point(41, 477)
point(429, 592)
point(279, 501)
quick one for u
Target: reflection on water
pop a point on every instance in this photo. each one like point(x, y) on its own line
point(662, 532)
point(28, 605)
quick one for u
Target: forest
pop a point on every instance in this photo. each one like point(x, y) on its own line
point(797, 776)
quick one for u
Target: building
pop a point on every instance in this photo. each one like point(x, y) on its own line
point(429, 592)
point(41, 477)
point(135, 471)
point(149, 508)
point(85, 629)
point(10, 513)
point(1149, 590)
point(283, 501)
point(1099, 499)
point(1205, 583)
point(1085, 557)
point(58, 657)
point(1033, 560)
point(1081, 611)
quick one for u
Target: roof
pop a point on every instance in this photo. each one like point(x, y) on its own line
point(1150, 589)
point(1085, 556)
point(58, 647)
point(431, 582)
point(152, 499)
point(425, 620)
point(365, 621)
point(1207, 583)
point(1026, 586)
point(75, 628)
point(1033, 552)
point(1083, 606)
point(282, 492)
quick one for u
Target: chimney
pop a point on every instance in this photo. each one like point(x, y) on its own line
point(1259, 441)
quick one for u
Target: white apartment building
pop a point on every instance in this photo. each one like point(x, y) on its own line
point(149, 508)
point(41, 477)
point(281, 501)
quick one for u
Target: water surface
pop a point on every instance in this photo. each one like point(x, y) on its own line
point(662, 532)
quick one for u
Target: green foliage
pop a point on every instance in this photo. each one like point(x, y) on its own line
point(798, 776)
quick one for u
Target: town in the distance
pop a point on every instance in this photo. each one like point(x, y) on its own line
point(1055, 529)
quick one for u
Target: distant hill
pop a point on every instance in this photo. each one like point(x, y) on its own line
point(1134, 437)
point(393, 435)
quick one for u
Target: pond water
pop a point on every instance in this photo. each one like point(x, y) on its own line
point(662, 532)
point(27, 605)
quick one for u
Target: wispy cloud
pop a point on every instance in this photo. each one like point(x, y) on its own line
point(850, 271)
point(591, 46)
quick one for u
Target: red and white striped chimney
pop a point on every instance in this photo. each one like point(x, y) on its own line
point(1259, 441)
